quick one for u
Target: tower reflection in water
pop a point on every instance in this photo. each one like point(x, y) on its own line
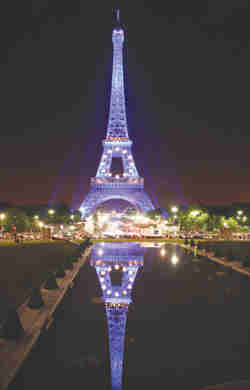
point(116, 266)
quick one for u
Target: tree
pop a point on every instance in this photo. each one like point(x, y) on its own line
point(193, 219)
point(154, 214)
point(213, 223)
point(16, 218)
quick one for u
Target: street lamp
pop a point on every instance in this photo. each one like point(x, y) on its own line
point(239, 212)
point(36, 217)
point(51, 211)
point(72, 216)
point(174, 209)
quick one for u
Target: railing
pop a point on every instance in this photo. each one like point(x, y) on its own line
point(117, 180)
point(116, 185)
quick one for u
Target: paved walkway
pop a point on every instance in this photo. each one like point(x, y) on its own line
point(34, 321)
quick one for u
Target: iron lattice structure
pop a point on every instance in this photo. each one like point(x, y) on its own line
point(125, 259)
point(128, 185)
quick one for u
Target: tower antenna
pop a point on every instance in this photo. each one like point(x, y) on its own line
point(118, 16)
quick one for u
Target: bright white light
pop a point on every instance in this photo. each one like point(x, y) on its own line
point(117, 149)
point(40, 224)
point(124, 269)
point(110, 151)
point(109, 292)
point(102, 279)
point(103, 273)
point(109, 269)
point(194, 213)
point(239, 212)
point(116, 294)
point(130, 272)
point(130, 286)
point(117, 266)
point(124, 292)
point(174, 209)
point(163, 252)
point(51, 212)
point(174, 259)
point(131, 280)
point(104, 287)
point(100, 252)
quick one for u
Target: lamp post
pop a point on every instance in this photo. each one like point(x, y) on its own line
point(2, 217)
point(174, 210)
point(41, 225)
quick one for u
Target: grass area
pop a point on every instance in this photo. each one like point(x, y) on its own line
point(25, 266)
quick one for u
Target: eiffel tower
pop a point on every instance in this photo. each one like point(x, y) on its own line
point(127, 185)
point(124, 259)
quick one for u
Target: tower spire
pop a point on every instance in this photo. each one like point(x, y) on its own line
point(117, 123)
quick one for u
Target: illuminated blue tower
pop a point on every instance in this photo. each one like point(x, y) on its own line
point(123, 259)
point(127, 185)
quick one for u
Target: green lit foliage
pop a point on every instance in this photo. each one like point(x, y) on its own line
point(18, 218)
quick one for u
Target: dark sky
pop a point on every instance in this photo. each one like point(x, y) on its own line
point(187, 87)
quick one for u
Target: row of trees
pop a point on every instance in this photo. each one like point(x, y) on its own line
point(25, 219)
point(195, 218)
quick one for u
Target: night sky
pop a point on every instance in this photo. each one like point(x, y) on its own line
point(187, 67)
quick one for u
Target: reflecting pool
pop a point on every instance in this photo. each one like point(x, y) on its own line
point(145, 316)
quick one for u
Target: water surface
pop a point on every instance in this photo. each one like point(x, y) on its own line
point(142, 318)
